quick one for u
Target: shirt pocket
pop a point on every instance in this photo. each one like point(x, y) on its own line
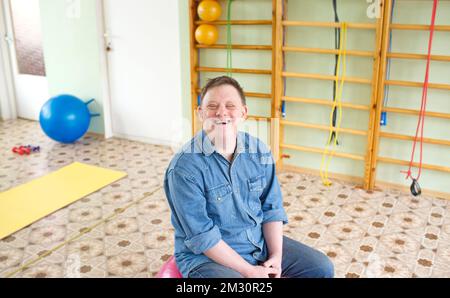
point(256, 187)
point(219, 194)
point(220, 203)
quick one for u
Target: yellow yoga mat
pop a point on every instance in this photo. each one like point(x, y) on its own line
point(27, 203)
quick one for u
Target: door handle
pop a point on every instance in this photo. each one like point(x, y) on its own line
point(107, 38)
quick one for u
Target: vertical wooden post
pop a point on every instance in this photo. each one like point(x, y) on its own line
point(275, 137)
point(380, 92)
point(194, 63)
point(277, 92)
point(375, 102)
point(274, 142)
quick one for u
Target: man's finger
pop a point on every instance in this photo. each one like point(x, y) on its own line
point(273, 270)
point(267, 263)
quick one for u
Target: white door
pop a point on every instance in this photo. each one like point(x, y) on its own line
point(25, 44)
point(144, 69)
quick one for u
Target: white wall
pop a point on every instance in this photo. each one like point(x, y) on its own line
point(72, 52)
point(145, 70)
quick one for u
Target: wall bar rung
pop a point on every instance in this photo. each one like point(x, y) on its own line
point(328, 51)
point(237, 22)
point(323, 127)
point(418, 56)
point(325, 102)
point(329, 24)
point(235, 47)
point(234, 70)
point(321, 151)
point(247, 94)
point(416, 84)
point(415, 164)
point(416, 112)
point(419, 27)
point(258, 118)
point(324, 77)
point(411, 138)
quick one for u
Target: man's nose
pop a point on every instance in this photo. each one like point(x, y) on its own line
point(221, 111)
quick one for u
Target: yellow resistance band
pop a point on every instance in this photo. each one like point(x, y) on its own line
point(327, 155)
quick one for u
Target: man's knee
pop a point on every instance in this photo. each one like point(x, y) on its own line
point(318, 266)
point(213, 270)
point(326, 267)
point(322, 267)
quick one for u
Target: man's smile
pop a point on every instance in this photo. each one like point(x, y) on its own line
point(222, 122)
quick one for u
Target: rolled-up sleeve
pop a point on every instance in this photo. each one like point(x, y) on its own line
point(271, 198)
point(188, 204)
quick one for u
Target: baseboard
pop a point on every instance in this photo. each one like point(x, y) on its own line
point(148, 140)
point(425, 192)
point(359, 180)
point(95, 134)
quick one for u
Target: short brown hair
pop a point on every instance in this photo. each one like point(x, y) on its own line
point(219, 81)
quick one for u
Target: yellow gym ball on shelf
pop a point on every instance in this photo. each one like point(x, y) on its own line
point(209, 10)
point(206, 34)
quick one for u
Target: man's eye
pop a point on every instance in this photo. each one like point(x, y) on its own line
point(231, 106)
point(212, 107)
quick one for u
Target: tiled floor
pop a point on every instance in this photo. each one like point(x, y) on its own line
point(124, 231)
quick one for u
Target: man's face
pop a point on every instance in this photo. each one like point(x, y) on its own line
point(221, 112)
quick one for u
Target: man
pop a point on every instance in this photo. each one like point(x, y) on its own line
point(226, 201)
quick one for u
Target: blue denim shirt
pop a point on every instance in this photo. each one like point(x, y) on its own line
point(212, 199)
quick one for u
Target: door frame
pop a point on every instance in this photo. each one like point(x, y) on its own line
point(105, 89)
point(8, 49)
point(8, 105)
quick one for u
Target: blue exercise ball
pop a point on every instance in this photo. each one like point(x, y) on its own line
point(65, 118)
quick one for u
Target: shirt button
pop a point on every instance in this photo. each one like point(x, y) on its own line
point(219, 199)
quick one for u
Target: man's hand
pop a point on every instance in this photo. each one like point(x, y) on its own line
point(274, 262)
point(259, 272)
point(273, 234)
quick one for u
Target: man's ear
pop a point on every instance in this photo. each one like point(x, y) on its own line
point(245, 112)
point(200, 113)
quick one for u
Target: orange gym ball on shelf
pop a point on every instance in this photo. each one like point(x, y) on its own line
point(209, 10)
point(206, 34)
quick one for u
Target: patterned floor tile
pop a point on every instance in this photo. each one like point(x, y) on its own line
point(380, 233)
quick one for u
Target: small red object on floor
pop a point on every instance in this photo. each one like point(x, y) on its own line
point(21, 150)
